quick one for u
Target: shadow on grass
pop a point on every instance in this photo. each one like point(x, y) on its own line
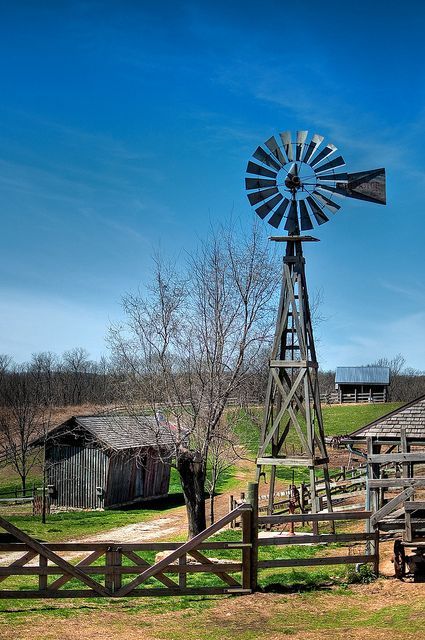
point(161, 504)
point(295, 587)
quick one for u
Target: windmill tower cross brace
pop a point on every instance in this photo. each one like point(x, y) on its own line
point(297, 182)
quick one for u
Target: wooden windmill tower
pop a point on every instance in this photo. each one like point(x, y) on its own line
point(296, 182)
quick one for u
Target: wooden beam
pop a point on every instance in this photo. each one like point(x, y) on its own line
point(315, 517)
point(413, 456)
point(286, 462)
point(395, 483)
point(392, 504)
point(315, 562)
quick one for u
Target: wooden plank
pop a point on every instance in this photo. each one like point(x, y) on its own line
point(392, 504)
point(293, 364)
point(395, 483)
point(286, 462)
point(136, 593)
point(42, 578)
point(14, 547)
point(414, 505)
point(408, 533)
point(315, 517)
point(322, 538)
point(182, 576)
point(314, 562)
point(53, 557)
point(109, 570)
point(413, 456)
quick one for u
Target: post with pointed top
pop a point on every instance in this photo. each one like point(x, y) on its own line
point(252, 499)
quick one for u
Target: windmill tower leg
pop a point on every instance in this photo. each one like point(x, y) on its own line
point(292, 407)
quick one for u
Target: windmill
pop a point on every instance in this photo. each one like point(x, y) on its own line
point(294, 182)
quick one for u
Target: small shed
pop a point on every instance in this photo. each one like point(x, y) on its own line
point(108, 461)
point(362, 384)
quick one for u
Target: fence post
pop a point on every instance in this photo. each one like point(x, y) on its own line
point(252, 499)
point(113, 558)
point(376, 559)
point(232, 522)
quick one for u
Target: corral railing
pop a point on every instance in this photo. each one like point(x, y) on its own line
point(102, 569)
point(344, 484)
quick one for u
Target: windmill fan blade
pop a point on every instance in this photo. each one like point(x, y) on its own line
point(338, 190)
point(260, 171)
point(258, 196)
point(291, 224)
point(276, 218)
point(315, 143)
point(301, 138)
point(259, 183)
point(268, 206)
point(333, 177)
point(366, 185)
point(306, 222)
point(271, 143)
point(262, 156)
point(286, 140)
point(332, 164)
point(330, 204)
point(330, 148)
point(321, 218)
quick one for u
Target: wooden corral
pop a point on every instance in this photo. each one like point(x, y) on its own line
point(395, 488)
point(124, 572)
point(107, 461)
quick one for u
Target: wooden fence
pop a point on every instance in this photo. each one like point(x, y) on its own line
point(344, 484)
point(104, 569)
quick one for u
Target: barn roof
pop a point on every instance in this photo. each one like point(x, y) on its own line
point(362, 375)
point(120, 432)
point(411, 416)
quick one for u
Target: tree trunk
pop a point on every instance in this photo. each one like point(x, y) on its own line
point(192, 478)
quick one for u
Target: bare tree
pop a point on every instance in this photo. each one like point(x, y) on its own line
point(188, 344)
point(222, 456)
point(24, 411)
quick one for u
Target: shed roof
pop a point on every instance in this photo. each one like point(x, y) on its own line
point(120, 432)
point(362, 375)
point(411, 416)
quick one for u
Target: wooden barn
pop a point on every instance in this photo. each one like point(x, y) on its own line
point(362, 384)
point(106, 462)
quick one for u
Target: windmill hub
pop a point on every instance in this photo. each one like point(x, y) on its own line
point(293, 183)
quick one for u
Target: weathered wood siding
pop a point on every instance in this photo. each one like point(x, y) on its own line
point(133, 477)
point(74, 472)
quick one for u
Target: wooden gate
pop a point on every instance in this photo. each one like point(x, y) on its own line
point(121, 561)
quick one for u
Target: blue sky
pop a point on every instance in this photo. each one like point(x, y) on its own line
point(125, 127)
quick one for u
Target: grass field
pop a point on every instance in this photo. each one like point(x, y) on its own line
point(303, 603)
